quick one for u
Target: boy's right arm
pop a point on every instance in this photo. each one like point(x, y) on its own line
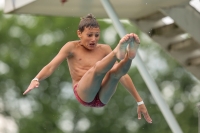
point(50, 68)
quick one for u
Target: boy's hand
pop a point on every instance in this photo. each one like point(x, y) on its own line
point(142, 110)
point(33, 84)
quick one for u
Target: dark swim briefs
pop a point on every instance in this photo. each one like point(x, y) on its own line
point(95, 103)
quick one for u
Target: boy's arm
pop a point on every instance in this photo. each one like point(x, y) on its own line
point(50, 68)
point(128, 84)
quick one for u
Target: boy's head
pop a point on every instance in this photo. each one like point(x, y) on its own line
point(87, 22)
point(88, 32)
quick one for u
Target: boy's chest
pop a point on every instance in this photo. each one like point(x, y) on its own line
point(88, 58)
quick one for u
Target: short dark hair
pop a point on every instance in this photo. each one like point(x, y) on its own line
point(88, 21)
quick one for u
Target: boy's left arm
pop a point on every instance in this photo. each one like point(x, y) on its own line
point(128, 84)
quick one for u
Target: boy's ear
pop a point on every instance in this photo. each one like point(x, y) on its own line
point(79, 33)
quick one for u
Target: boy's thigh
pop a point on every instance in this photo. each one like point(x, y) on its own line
point(89, 85)
point(108, 88)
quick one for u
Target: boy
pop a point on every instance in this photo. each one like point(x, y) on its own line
point(93, 67)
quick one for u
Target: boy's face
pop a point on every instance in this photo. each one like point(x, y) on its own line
point(89, 37)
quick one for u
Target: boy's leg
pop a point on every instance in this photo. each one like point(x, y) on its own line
point(90, 83)
point(112, 78)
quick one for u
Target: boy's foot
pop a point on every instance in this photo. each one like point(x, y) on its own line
point(121, 49)
point(133, 45)
point(132, 48)
point(129, 43)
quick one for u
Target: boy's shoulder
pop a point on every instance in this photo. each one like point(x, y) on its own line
point(73, 42)
point(105, 47)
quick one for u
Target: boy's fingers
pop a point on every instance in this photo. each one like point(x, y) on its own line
point(147, 117)
point(30, 88)
point(26, 91)
point(139, 115)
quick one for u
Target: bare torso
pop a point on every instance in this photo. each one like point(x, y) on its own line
point(80, 59)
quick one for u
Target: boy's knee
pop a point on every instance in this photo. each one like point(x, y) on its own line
point(97, 70)
point(97, 64)
point(113, 73)
point(116, 73)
